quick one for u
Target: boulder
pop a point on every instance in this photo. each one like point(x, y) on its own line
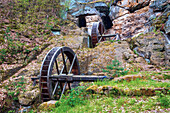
point(28, 97)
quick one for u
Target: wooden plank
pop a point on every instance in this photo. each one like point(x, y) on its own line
point(109, 35)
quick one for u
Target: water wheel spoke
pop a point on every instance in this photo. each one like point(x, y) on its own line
point(64, 62)
point(100, 39)
point(55, 88)
point(71, 67)
point(63, 66)
point(57, 66)
point(63, 89)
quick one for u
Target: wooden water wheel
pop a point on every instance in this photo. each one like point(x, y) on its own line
point(58, 61)
point(97, 28)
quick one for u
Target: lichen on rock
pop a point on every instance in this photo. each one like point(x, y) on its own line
point(47, 106)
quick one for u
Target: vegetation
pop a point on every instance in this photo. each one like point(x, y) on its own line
point(115, 69)
point(76, 96)
point(79, 101)
point(114, 104)
point(163, 99)
point(135, 84)
point(26, 27)
point(13, 90)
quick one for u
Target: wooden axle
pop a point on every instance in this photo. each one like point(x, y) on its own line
point(72, 78)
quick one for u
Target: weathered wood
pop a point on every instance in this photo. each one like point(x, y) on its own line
point(109, 35)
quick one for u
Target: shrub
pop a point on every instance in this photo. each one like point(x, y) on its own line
point(76, 96)
point(163, 99)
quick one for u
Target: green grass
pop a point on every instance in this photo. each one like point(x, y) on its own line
point(114, 105)
point(136, 84)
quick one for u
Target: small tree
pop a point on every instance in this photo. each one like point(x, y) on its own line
point(115, 69)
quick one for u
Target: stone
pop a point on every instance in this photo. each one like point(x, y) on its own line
point(102, 7)
point(46, 106)
point(115, 90)
point(128, 77)
point(140, 60)
point(158, 5)
point(167, 54)
point(85, 42)
point(126, 55)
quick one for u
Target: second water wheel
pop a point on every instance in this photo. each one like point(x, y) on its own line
point(97, 29)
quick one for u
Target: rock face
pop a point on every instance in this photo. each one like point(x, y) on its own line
point(131, 24)
point(94, 60)
point(159, 5)
point(116, 12)
point(129, 17)
point(132, 5)
point(151, 47)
